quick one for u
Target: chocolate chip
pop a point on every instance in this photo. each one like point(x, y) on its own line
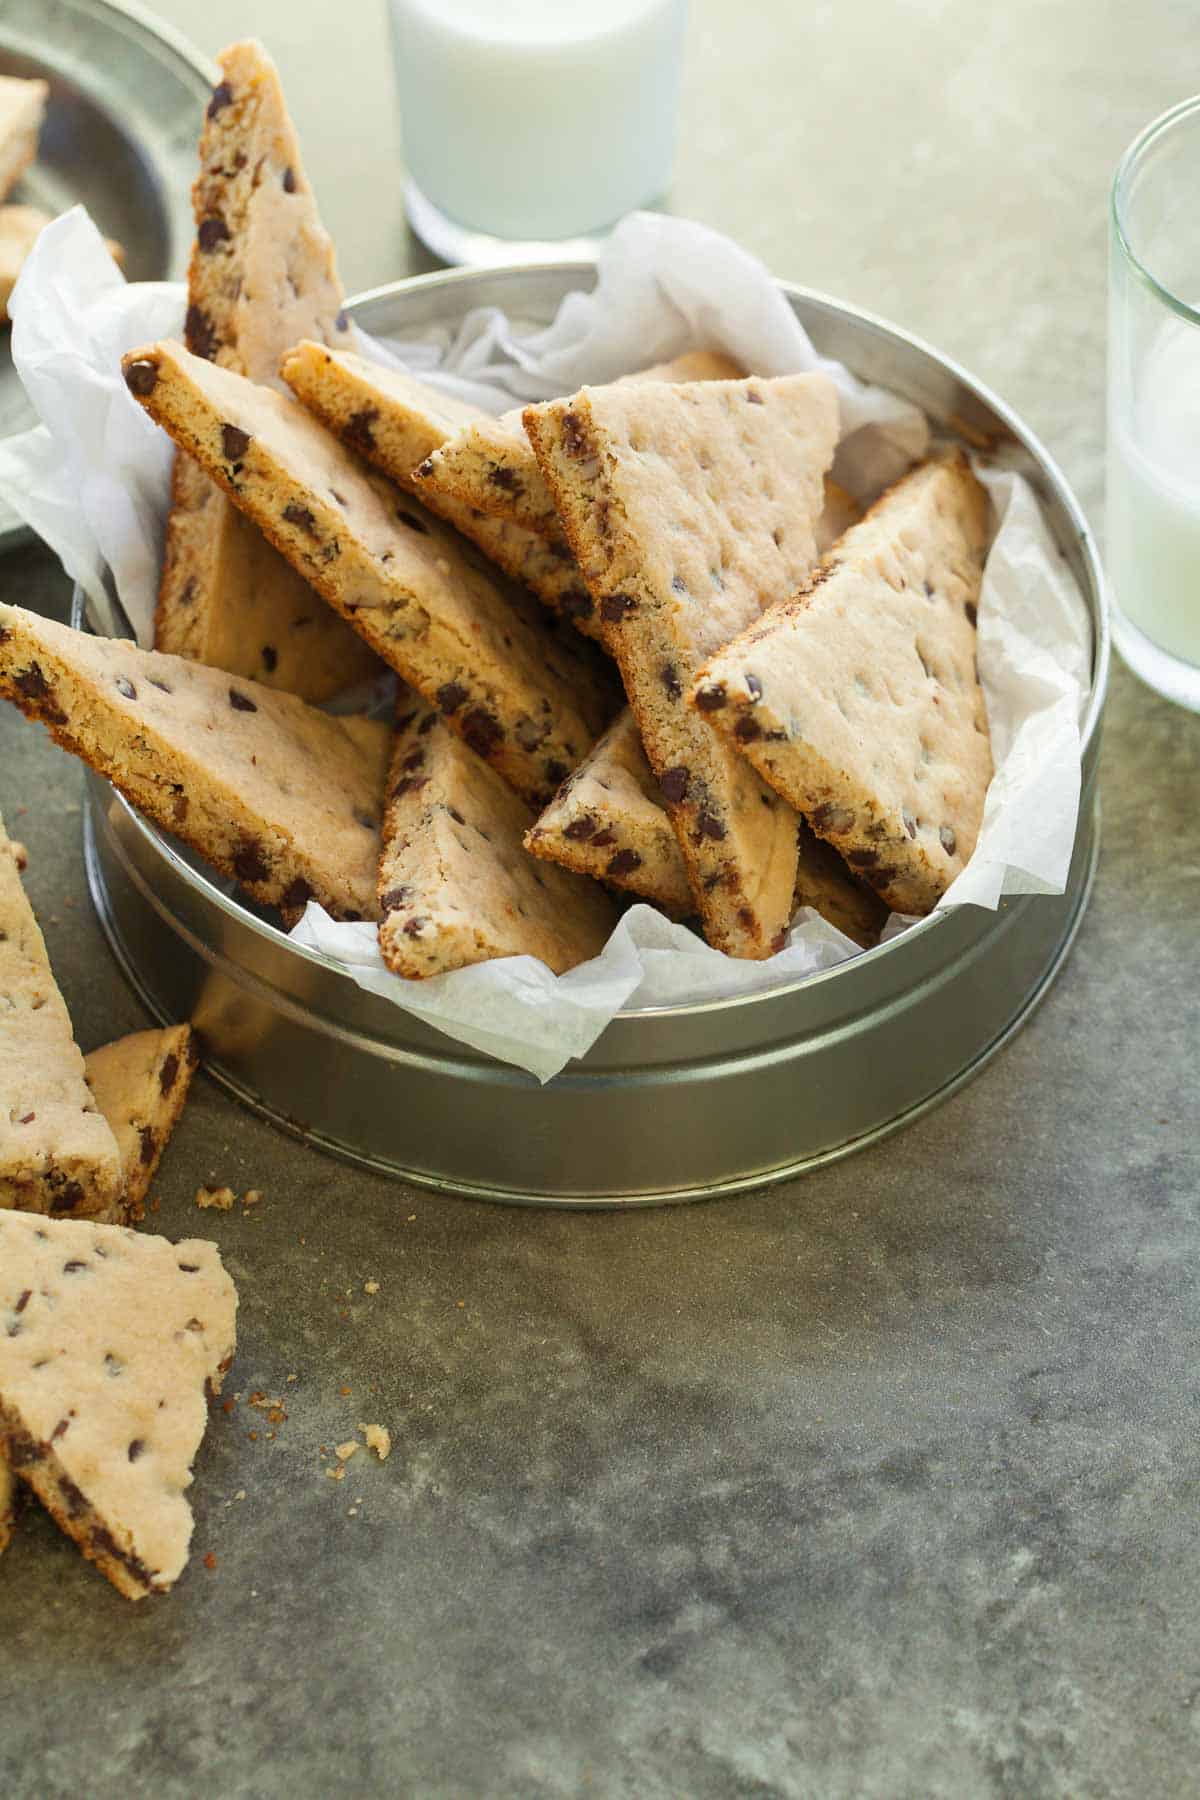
point(624, 863)
point(296, 895)
point(249, 863)
point(222, 96)
point(412, 521)
point(27, 1118)
point(481, 731)
point(364, 819)
point(972, 612)
point(711, 699)
point(149, 1144)
point(169, 1073)
point(456, 816)
point(300, 517)
point(575, 440)
point(929, 590)
point(210, 232)
point(754, 397)
point(414, 927)
point(411, 785)
point(746, 917)
point(948, 839)
point(187, 593)
point(199, 333)
point(614, 607)
point(862, 859)
point(241, 702)
point(342, 322)
point(679, 584)
point(68, 1199)
point(451, 696)
point(234, 443)
point(72, 1497)
point(669, 676)
point(357, 429)
point(674, 785)
point(577, 603)
point(579, 830)
point(23, 1300)
point(403, 722)
point(828, 817)
point(74, 1266)
point(160, 685)
point(747, 729)
point(507, 479)
point(414, 759)
point(754, 688)
point(779, 941)
point(289, 180)
point(189, 1268)
point(605, 837)
point(136, 1448)
point(556, 772)
point(709, 826)
point(270, 658)
point(141, 376)
point(126, 687)
point(430, 720)
point(394, 899)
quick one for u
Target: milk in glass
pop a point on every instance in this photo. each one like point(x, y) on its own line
point(1154, 493)
point(538, 119)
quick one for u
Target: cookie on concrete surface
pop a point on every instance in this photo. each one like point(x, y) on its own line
point(57, 1153)
point(455, 883)
point(690, 509)
point(22, 109)
point(262, 274)
point(395, 421)
point(488, 463)
point(608, 820)
point(140, 1084)
point(20, 227)
point(108, 1343)
point(281, 797)
point(530, 702)
point(859, 698)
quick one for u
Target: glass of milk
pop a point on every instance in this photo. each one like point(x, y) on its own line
point(531, 126)
point(1154, 406)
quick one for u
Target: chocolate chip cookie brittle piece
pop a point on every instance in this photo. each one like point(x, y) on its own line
point(859, 699)
point(262, 274)
point(57, 1154)
point(140, 1084)
point(608, 820)
point(108, 1341)
point(455, 883)
point(691, 508)
point(396, 421)
point(489, 463)
point(282, 797)
point(529, 701)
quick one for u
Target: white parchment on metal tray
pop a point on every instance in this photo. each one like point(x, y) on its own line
point(92, 480)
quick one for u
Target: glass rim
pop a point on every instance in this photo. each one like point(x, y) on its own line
point(1125, 168)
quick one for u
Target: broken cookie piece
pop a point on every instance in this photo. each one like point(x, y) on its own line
point(456, 885)
point(109, 1342)
point(859, 701)
point(281, 797)
point(140, 1084)
point(57, 1153)
point(690, 509)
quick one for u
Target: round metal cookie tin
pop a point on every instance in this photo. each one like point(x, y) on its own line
point(671, 1103)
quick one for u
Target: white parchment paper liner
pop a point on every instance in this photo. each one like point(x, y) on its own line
point(92, 479)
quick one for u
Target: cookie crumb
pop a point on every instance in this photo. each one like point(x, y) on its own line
point(345, 1451)
point(370, 1287)
point(210, 1561)
point(379, 1439)
point(338, 1474)
point(251, 1197)
point(219, 1198)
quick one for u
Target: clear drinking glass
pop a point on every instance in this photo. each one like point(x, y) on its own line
point(531, 126)
point(1154, 406)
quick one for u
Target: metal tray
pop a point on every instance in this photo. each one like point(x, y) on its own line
point(122, 121)
point(672, 1103)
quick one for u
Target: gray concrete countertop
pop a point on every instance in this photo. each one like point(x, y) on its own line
point(882, 1482)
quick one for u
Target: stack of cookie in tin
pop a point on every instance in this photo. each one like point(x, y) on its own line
point(645, 646)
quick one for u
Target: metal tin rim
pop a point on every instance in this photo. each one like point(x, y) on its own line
point(1101, 646)
point(582, 1200)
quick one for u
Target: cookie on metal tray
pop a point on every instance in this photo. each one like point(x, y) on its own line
point(263, 273)
point(859, 699)
point(690, 509)
point(530, 701)
point(456, 885)
point(282, 797)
